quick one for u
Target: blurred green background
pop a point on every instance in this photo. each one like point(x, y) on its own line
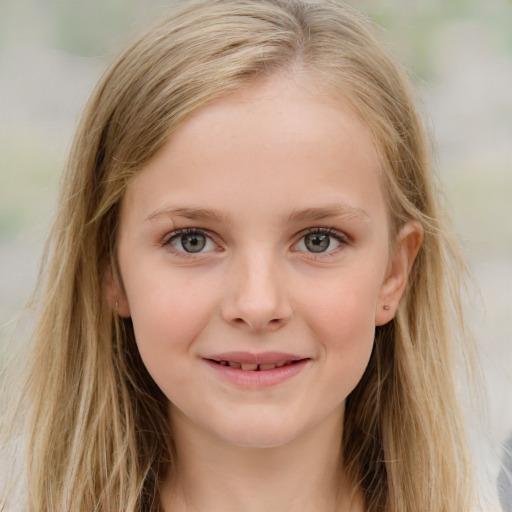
point(460, 54)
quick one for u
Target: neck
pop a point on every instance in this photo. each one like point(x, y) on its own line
point(212, 475)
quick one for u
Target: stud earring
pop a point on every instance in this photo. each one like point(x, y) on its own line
point(117, 305)
point(386, 307)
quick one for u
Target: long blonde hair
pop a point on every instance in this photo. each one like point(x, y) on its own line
point(98, 434)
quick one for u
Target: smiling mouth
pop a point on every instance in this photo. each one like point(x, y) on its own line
point(254, 367)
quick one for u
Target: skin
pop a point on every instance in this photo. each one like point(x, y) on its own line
point(268, 163)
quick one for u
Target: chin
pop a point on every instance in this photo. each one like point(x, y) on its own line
point(258, 440)
point(256, 434)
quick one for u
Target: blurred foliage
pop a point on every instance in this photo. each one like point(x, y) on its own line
point(27, 182)
point(412, 27)
point(89, 28)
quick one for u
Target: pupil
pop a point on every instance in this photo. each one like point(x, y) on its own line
point(316, 242)
point(193, 243)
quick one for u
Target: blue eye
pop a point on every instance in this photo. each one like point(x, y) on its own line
point(191, 241)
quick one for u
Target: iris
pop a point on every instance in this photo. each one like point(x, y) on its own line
point(316, 242)
point(193, 243)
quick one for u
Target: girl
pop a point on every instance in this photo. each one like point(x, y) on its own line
point(251, 296)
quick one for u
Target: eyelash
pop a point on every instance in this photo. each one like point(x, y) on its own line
point(339, 236)
point(168, 239)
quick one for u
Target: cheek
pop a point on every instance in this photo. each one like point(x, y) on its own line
point(168, 313)
point(342, 318)
point(167, 303)
point(344, 304)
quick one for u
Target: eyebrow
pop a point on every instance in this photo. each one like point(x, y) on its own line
point(339, 210)
point(189, 213)
point(335, 210)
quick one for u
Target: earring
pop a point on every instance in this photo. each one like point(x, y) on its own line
point(386, 307)
point(117, 305)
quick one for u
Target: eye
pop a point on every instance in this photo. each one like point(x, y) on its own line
point(317, 242)
point(321, 240)
point(190, 241)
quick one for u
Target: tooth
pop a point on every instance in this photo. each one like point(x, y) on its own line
point(288, 362)
point(223, 363)
point(280, 365)
point(233, 364)
point(249, 366)
point(268, 366)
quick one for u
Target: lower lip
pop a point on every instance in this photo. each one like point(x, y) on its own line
point(261, 378)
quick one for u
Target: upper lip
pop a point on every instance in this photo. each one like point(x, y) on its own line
point(256, 358)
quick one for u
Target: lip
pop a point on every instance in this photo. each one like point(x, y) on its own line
point(256, 379)
point(255, 358)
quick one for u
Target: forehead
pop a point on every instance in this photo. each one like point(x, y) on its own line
point(287, 106)
point(277, 140)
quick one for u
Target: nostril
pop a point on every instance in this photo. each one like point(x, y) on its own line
point(273, 323)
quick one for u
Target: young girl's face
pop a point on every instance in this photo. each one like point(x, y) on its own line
point(254, 256)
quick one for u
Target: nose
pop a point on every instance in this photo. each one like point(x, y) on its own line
point(256, 295)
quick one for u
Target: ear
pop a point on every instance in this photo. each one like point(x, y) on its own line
point(408, 244)
point(115, 294)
